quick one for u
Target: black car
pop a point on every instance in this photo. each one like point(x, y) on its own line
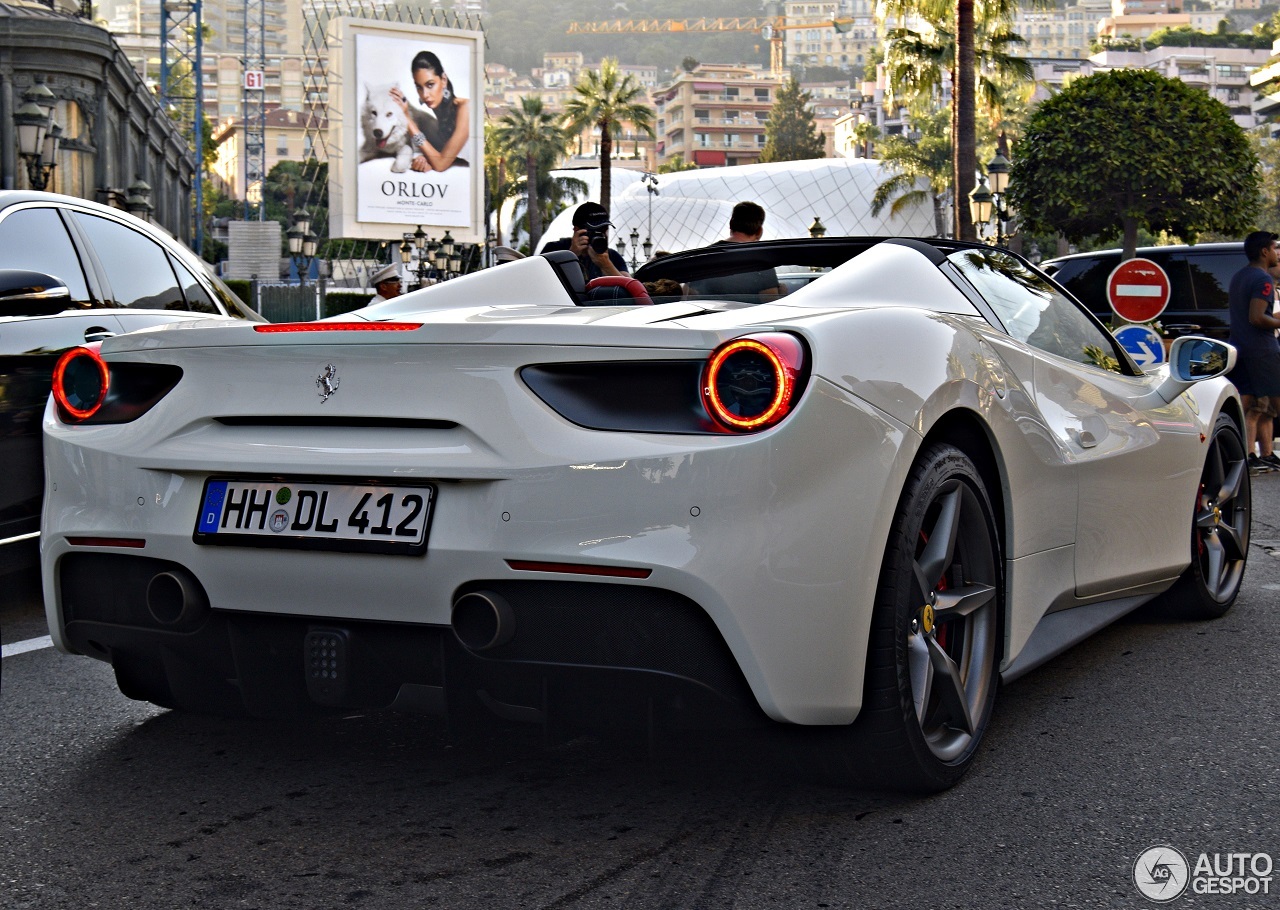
point(72, 272)
point(1198, 279)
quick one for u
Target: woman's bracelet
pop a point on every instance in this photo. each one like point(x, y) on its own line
point(418, 140)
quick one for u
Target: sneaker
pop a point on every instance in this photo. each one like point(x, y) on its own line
point(1273, 459)
point(1259, 466)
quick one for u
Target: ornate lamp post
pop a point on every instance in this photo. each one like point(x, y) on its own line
point(635, 247)
point(38, 135)
point(998, 171)
point(980, 205)
point(302, 243)
point(650, 184)
point(138, 200)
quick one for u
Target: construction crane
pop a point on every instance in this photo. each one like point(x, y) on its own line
point(768, 27)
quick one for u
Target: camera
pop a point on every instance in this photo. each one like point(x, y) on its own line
point(598, 234)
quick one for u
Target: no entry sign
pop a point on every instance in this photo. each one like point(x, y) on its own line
point(1138, 290)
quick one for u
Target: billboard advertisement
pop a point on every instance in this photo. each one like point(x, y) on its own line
point(405, 130)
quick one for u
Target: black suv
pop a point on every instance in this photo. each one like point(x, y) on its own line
point(1198, 279)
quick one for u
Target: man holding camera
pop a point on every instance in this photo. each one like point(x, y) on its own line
point(590, 242)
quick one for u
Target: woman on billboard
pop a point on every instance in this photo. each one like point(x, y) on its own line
point(437, 139)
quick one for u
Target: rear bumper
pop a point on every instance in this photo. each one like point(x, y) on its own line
point(605, 654)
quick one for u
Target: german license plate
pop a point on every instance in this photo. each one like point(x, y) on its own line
point(305, 514)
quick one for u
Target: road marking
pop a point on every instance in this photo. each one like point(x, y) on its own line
point(22, 647)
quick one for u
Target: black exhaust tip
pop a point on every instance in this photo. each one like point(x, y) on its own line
point(175, 598)
point(483, 620)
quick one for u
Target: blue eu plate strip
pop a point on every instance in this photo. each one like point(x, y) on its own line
point(212, 509)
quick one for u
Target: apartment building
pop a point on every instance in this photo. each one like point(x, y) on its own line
point(810, 38)
point(1223, 72)
point(290, 137)
point(1060, 33)
point(715, 115)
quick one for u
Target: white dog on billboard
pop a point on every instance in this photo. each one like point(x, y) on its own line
point(383, 126)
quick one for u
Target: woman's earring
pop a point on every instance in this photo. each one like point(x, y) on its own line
point(448, 95)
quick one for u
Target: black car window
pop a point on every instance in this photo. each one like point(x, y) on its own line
point(36, 239)
point(136, 266)
point(1033, 311)
point(1210, 276)
point(198, 298)
point(1086, 278)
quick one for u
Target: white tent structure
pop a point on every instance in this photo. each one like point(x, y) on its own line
point(691, 208)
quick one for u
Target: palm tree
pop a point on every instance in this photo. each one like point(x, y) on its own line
point(866, 133)
point(912, 160)
point(916, 62)
point(554, 194)
point(967, 16)
point(533, 133)
point(607, 99)
point(499, 184)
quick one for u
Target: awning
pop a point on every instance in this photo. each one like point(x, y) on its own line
point(708, 86)
point(708, 156)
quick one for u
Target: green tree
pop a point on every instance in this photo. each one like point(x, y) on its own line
point(912, 161)
point(606, 99)
point(866, 133)
point(534, 135)
point(1128, 149)
point(790, 133)
point(677, 163)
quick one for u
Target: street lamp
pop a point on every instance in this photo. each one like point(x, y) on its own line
point(420, 238)
point(635, 247)
point(817, 230)
point(138, 200)
point(38, 135)
point(302, 243)
point(650, 184)
point(998, 169)
point(980, 205)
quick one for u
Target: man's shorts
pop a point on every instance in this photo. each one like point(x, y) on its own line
point(1264, 405)
point(1257, 374)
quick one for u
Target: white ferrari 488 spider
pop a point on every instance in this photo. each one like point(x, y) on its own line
point(848, 484)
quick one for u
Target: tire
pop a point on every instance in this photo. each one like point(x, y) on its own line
point(935, 634)
point(1219, 531)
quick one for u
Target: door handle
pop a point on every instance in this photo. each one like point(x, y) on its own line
point(1183, 328)
point(97, 333)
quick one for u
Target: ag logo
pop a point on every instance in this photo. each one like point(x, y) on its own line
point(1161, 873)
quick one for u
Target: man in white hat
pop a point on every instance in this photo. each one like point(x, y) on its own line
point(387, 283)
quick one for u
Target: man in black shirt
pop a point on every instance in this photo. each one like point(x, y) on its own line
point(746, 225)
point(591, 222)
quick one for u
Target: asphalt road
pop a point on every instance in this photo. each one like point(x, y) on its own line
point(1149, 733)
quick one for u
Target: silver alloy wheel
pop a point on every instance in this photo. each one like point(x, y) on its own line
point(951, 638)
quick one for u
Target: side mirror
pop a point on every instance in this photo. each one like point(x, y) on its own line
point(1193, 359)
point(27, 293)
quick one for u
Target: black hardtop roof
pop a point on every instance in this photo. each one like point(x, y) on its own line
point(827, 252)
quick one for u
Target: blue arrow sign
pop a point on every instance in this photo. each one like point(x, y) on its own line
point(1143, 344)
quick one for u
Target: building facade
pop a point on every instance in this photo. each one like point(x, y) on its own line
point(115, 136)
point(715, 115)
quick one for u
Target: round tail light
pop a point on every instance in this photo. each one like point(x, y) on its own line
point(750, 383)
point(80, 381)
